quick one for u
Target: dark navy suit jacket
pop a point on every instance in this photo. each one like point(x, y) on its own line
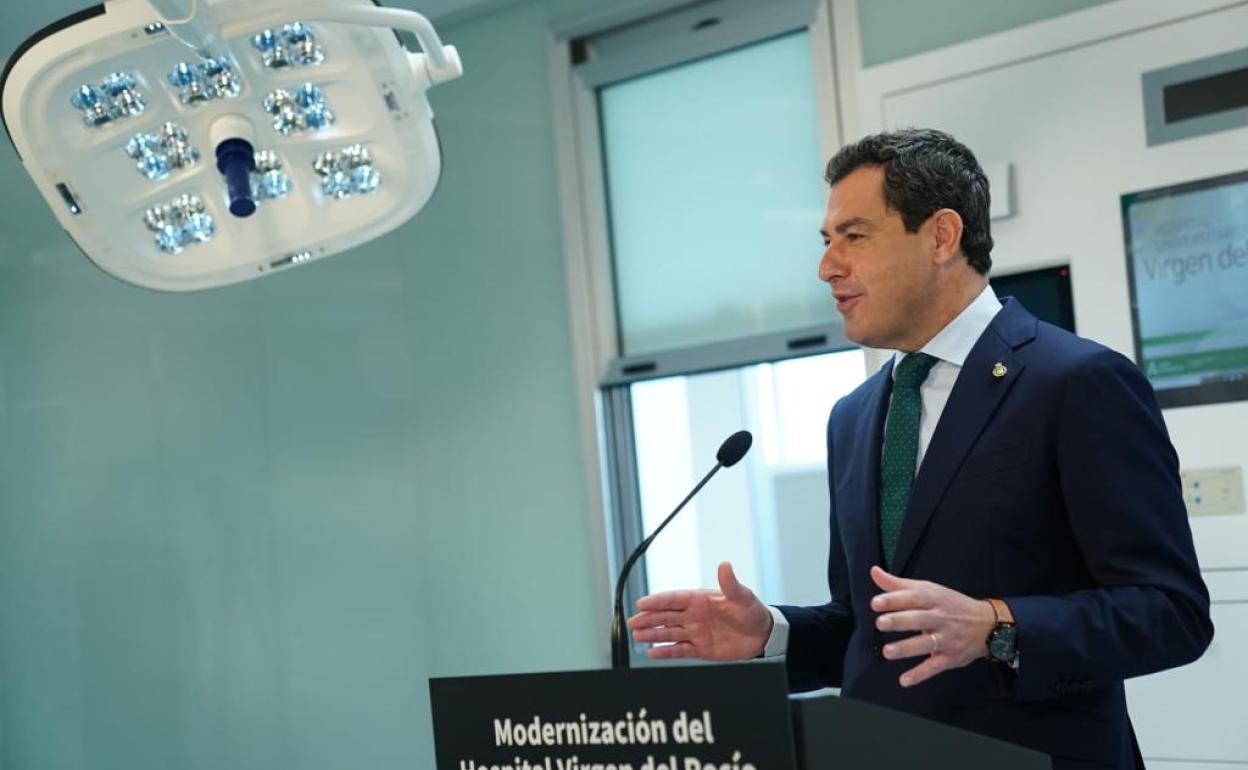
point(1054, 487)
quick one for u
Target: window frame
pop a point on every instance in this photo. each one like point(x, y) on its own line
point(585, 54)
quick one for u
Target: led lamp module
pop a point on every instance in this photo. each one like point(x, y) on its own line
point(298, 109)
point(347, 172)
point(160, 153)
point(291, 45)
point(206, 80)
point(113, 98)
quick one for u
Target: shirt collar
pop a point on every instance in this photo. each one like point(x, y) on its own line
point(954, 342)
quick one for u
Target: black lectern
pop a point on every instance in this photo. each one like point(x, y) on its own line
point(736, 717)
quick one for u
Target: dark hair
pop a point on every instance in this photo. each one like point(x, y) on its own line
point(926, 170)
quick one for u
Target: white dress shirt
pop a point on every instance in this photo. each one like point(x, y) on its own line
point(951, 346)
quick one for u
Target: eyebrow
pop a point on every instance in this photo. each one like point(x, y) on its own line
point(848, 224)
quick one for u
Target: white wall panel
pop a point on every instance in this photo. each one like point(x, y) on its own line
point(801, 522)
point(1197, 711)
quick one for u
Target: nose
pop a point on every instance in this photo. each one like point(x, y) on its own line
point(831, 266)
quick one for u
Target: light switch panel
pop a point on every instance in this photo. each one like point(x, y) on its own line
point(1213, 491)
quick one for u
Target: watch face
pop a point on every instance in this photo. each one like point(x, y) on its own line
point(1001, 643)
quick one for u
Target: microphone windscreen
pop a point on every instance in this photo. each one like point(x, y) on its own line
point(734, 448)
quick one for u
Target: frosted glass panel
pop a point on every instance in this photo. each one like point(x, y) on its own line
point(716, 195)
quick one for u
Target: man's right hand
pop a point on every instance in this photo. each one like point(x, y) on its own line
point(728, 624)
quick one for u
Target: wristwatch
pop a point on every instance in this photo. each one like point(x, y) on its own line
point(1003, 641)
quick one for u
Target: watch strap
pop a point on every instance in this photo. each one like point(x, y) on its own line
point(1002, 611)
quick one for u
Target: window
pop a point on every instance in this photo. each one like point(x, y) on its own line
point(714, 193)
point(768, 515)
point(701, 137)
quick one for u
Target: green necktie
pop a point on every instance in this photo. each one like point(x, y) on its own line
point(901, 448)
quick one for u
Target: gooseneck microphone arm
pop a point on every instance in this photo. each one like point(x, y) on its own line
point(619, 634)
point(730, 452)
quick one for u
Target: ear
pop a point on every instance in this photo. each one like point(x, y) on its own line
point(946, 235)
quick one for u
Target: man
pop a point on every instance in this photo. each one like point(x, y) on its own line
point(1008, 535)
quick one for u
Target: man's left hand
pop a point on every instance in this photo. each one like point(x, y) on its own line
point(952, 628)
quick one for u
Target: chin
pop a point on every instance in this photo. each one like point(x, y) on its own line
point(867, 340)
point(859, 336)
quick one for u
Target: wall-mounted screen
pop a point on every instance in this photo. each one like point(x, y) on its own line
point(1187, 257)
point(1045, 293)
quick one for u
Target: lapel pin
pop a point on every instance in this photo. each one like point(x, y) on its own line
point(999, 370)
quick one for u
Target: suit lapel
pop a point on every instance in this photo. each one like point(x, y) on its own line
point(975, 397)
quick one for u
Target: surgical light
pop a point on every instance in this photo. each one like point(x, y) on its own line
point(302, 107)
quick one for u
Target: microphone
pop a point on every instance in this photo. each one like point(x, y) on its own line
point(729, 454)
